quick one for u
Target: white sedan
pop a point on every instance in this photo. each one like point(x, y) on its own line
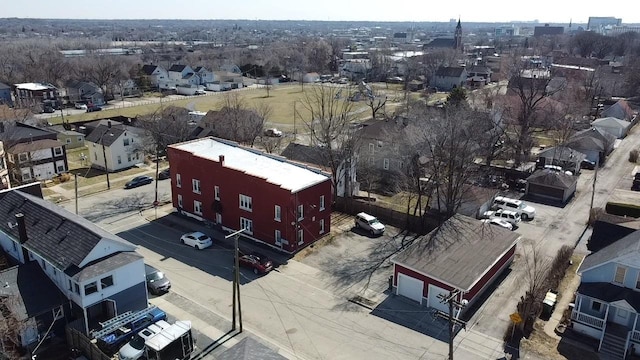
point(196, 239)
point(499, 222)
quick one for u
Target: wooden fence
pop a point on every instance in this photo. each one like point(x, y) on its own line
point(77, 340)
point(401, 220)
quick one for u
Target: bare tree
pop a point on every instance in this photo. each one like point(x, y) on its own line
point(10, 327)
point(104, 71)
point(376, 100)
point(164, 127)
point(526, 106)
point(448, 141)
point(330, 114)
point(236, 120)
point(536, 267)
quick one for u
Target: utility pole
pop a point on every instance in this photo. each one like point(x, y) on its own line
point(104, 154)
point(452, 303)
point(75, 180)
point(593, 190)
point(236, 280)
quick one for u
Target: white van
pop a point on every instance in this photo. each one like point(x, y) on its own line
point(526, 212)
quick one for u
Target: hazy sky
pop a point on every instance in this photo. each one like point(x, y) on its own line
point(372, 10)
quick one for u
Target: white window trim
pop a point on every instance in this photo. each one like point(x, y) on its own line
point(277, 235)
point(195, 185)
point(178, 181)
point(243, 225)
point(372, 148)
point(300, 236)
point(277, 213)
point(321, 226)
point(321, 202)
point(216, 192)
point(180, 201)
point(197, 207)
point(385, 164)
point(300, 212)
point(246, 202)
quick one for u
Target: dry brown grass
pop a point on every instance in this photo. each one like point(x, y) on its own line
point(281, 99)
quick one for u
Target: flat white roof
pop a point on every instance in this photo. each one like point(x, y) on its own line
point(168, 335)
point(32, 86)
point(276, 171)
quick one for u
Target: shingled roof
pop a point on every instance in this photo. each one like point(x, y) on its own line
point(149, 69)
point(55, 234)
point(459, 252)
point(19, 282)
point(450, 71)
point(622, 250)
point(104, 134)
point(177, 68)
point(549, 177)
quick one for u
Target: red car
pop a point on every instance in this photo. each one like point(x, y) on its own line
point(259, 263)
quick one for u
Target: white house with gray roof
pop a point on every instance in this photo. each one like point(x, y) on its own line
point(607, 305)
point(98, 272)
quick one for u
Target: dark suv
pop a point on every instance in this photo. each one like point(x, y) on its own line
point(157, 281)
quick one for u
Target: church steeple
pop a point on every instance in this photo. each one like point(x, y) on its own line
point(458, 37)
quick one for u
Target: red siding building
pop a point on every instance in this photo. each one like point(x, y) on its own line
point(280, 203)
point(464, 255)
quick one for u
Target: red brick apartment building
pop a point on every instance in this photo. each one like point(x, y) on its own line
point(280, 203)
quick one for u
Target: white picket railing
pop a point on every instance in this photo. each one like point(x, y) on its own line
point(587, 319)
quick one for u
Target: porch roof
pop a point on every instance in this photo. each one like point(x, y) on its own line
point(610, 293)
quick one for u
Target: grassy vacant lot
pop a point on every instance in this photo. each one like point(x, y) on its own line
point(281, 100)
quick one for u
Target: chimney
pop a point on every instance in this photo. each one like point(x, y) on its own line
point(109, 124)
point(22, 229)
point(221, 159)
point(22, 236)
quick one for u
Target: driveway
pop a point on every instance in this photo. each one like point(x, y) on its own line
point(356, 265)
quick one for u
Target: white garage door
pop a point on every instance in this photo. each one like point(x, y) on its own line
point(434, 301)
point(410, 287)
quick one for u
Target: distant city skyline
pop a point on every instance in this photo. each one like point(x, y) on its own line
point(545, 11)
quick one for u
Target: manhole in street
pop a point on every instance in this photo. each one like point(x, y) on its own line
point(291, 331)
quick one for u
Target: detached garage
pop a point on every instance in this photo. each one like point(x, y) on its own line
point(551, 185)
point(464, 254)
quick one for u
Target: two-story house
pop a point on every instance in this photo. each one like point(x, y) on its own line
point(204, 75)
point(607, 305)
point(31, 95)
point(183, 75)
point(100, 274)
point(277, 202)
point(32, 153)
point(156, 75)
point(449, 77)
point(84, 92)
point(114, 146)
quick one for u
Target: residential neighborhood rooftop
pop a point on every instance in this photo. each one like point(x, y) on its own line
point(459, 252)
point(61, 237)
point(276, 170)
